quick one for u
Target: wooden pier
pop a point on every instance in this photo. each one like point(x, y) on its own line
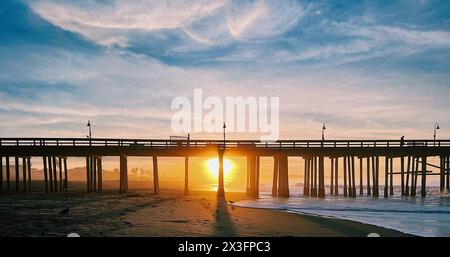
point(411, 155)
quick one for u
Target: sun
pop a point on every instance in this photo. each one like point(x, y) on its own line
point(213, 166)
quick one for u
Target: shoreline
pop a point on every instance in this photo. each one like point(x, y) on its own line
point(140, 213)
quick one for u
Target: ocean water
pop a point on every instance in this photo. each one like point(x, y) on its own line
point(429, 216)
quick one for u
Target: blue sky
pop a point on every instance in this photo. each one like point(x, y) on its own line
point(369, 69)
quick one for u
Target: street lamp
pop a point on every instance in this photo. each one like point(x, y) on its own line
point(90, 131)
point(323, 131)
point(224, 128)
point(436, 127)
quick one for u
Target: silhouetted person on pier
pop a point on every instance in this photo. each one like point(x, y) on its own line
point(402, 141)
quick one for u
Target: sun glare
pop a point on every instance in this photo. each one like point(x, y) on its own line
point(213, 167)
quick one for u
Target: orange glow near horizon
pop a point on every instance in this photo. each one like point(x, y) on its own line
point(213, 167)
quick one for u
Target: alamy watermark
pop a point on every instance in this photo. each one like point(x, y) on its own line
point(259, 115)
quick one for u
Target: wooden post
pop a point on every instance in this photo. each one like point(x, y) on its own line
point(314, 182)
point(311, 176)
point(24, 174)
point(448, 173)
point(221, 185)
point(66, 178)
point(345, 175)
point(321, 177)
point(413, 175)
point(361, 187)
point(44, 159)
point(16, 168)
point(29, 173)
point(257, 175)
point(374, 176)
point(423, 184)
point(94, 173)
point(331, 176)
point(186, 175)
point(391, 177)
point(336, 176)
point(416, 169)
point(1, 174)
point(91, 173)
point(8, 171)
point(155, 175)
point(100, 174)
point(353, 177)
point(441, 173)
point(251, 160)
point(368, 177)
point(402, 175)
point(55, 177)
point(408, 172)
point(274, 178)
point(283, 182)
point(377, 159)
point(305, 177)
point(386, 176)
point(88, 176)
point(61, 188)
point(123, 172)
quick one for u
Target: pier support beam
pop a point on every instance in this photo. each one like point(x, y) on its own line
point(124, 174)
point(24, 174)
point(8, 175)
point(276, 168)
point(94, 173)
point(186, 175)
point(448, 173)
point(376, 175)
point(423, 184)
point(1, 175)
point(345, 176)
point(253, 175)
point(221, 182)
point(314, 177)
point(283, 175)
point(100, 173)
point(16, 168)
point(155, 176)
point(386, 176)
point(331, 176)
point(402, 175)
point(44, 161)
point(408, 172)
point(66, 178)
point(414, 169)
point(29, 173)
point(61, 186)
point(391, 177)
point(353, 176)
point(321, 177)
point(361, 186)
point(369, 192)
point(336, 176)
point(88, 175)
point(305, 177)
point(442, 173)
point(55, 177)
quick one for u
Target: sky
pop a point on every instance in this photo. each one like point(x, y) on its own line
point(368, 69)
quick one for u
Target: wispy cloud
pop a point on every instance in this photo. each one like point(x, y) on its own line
point(110, 23)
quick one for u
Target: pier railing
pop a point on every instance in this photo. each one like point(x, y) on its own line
point(166, 143)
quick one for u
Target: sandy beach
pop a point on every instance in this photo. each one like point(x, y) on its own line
point(140, 213)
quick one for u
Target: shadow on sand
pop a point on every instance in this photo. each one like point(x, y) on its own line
point(224, 222)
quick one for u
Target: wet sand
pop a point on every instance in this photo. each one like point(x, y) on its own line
point(140, 213)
